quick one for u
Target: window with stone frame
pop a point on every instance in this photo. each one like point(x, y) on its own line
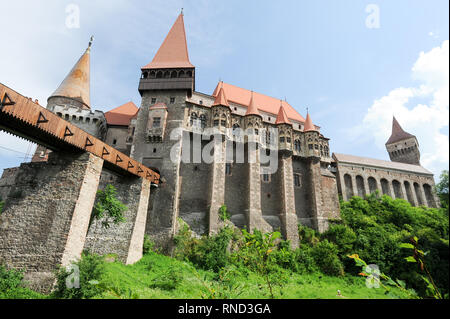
point(153, 100)
point(310, 146)
point(156, 122)
point(297, 182)
point(265, 177)
point(228, 169)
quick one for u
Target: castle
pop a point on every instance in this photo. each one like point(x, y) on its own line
point(171, 133)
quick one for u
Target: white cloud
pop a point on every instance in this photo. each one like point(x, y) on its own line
point(422, 110)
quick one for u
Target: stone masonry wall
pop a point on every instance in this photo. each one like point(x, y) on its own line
point(42, 225)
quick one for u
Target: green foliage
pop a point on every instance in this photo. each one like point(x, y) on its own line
point(223, 213)
point(168, 280)
point(2, 203)
point(381, 224)
point(442, 189)
point(148, 245)
point(326, 258)
point(209, 252)
point(91, 269)
point(108, 207)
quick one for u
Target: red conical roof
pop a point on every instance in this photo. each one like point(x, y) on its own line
point(173, 53)
point(252, 109)
point(221, 99)
point(398, 134)
point(309, 126)
point(282, 117)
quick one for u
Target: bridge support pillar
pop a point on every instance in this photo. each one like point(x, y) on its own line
point(46, 216)
point(124, 239)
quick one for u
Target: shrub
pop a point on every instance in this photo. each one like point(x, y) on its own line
point(168, 279)
point(304, 259)
point(307, 235)
point(325, 255)
point(148, 245)
point(91, 269)
point(9, 280)
point(108, 207)
point(343, 236)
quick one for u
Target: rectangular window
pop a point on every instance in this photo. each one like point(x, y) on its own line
point(153, 100)
point(316, 146)
point(266, 178)
point(216, 122)
point(296, 180)
point(156, 122)
point(310, 146)
point(172, 100)
point(228, 169)
point(282, 139)
point(288, 139)
point(114, 142)
point(223, 123)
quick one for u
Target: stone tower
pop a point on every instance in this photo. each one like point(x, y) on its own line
point(402, 146)
point(71, 101)
point(165, 84)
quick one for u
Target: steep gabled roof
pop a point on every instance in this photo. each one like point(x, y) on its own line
point(76, 85)
point(263, 102)
point(173, 52)
point(282, 117)
point(121, 115)
point(398, 134)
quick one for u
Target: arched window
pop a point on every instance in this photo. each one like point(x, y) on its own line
point(181, 74)
point(152, 74)
point(189, 74)
point(297, 145)
point(193, 118)
point(166, 74)
point(159, 75)
point(173, 74)
point(203, 120)
point(145, 75)
point(348, 186)
point(236, 129)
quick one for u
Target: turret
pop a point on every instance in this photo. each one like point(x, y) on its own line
point(170, 69)
point(284, 130)
point(402, 146)
point(312, 136)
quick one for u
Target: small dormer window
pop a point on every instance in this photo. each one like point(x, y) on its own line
point(153, 100)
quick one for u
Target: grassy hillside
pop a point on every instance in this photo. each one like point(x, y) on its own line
point(158, 276)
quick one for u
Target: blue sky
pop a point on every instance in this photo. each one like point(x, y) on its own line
point(316, 54)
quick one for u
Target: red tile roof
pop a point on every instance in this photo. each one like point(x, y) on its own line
point(121, 115)
point(309, 126)
point(282, 117)
point(221, 99)
point(398, 134)
point(262, 102)
point(173, 53)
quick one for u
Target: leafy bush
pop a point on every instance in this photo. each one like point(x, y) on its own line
point(209, 252)
point(148, 245)
point(325, 257)
point(91, 269)
point(168, 280)
point(108, 207)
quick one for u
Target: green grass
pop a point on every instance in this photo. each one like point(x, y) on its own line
point(137, 281)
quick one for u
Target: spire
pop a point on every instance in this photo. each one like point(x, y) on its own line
point(221, 99)
point(173, 53)
point(282, 117)
point(76, 84)
point(309, 126)
point(398, 133)
point(252, 109)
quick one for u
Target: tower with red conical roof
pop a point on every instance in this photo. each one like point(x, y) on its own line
point(402, 146)
point(170, 69)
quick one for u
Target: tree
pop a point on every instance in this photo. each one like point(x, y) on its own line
point(442, 188)
point(108, 206)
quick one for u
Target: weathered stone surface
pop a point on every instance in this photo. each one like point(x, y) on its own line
point(42, 225)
